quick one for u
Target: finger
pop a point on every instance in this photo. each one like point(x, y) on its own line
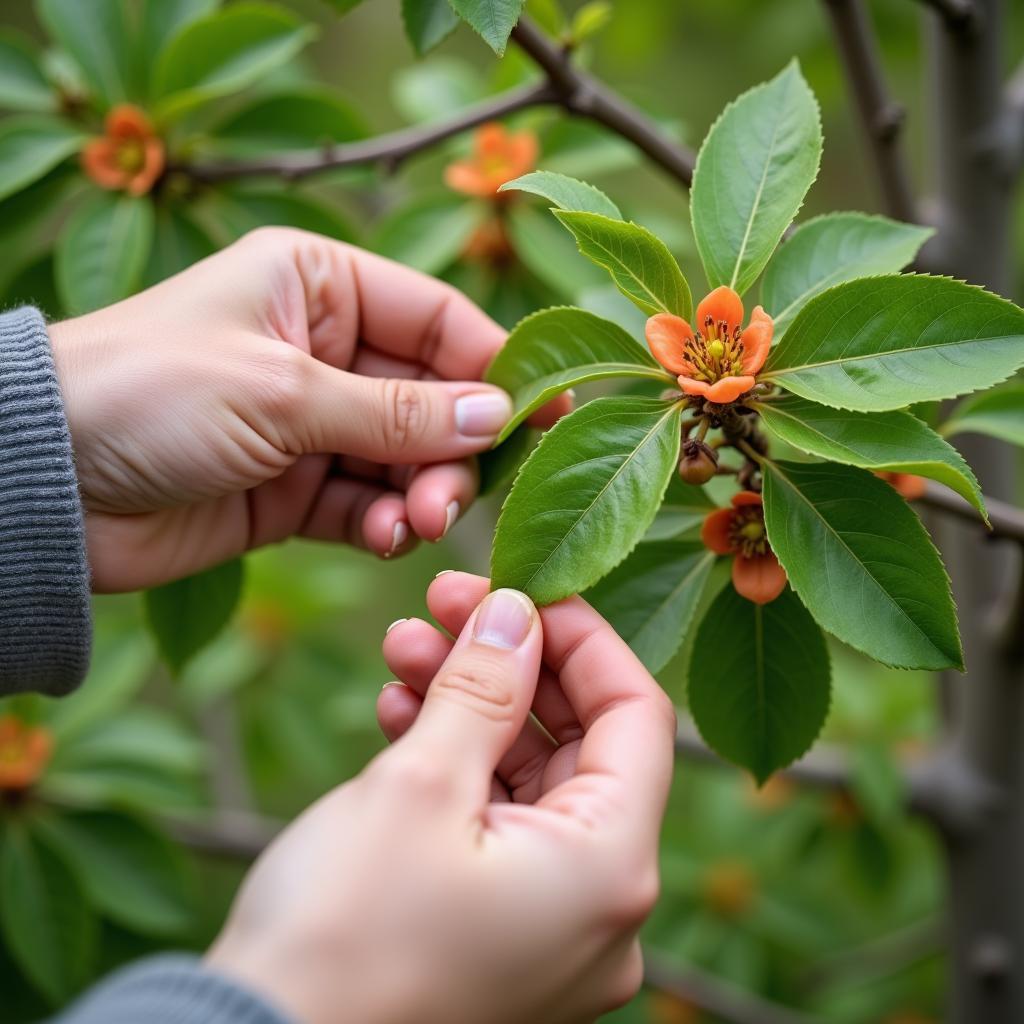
point(451, 598)
point(548, 415)
point(397, 708)
point(361, 514)
point(415, 653)
point(628, 722)
point(387, 420)
point(371, 363)
point(438, 495)
point(478, 702)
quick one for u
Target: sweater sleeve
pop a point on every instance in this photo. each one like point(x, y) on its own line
point(45, 626)
point(170, 989)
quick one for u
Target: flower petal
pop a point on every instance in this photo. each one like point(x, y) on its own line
point(759, 579)
point(522, 152)
point(689, 386)
point(489, 140)
point(741, 498)
point(99, 162)
point(127, 121)
point(756, 340)
point(714, 534)
point(465, 177)
point(907, 484)
point(721, 304)
point(152, 168)
point(667, 335)
point(728, 389)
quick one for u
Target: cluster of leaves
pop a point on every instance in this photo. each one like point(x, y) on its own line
point(856, 344)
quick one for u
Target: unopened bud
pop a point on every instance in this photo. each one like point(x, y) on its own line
point(698, 464)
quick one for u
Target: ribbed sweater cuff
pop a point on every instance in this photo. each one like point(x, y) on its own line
point(169, 989)
point(45, 627)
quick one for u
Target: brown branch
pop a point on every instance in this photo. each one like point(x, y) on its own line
point(234, 835)
point(722, 999)
point(1007, 520)
point(389, 149)
point(1010, 137)
point(881, 117)
point(959, 14)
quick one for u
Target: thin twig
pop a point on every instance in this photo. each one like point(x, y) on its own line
point(1010, 137)
point(719, 998)
point(1007, 520)
point(234, 835)
point(959, 14)
point(881, 117)
point(389, 149)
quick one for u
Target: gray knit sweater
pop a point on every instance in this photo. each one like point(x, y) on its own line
point(45, 631)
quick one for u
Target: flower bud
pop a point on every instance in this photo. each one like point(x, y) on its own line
point(698, 464)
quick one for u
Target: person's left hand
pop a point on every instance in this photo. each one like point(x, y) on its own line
point(288, 385)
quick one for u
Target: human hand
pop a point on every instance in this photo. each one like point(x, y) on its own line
point(420, 891)
point(287, 385)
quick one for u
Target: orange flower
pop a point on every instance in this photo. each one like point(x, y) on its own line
point(739, 531)
point(720, 360)
point(24, 753)
point(130, 156)
point(910, 486)
point(498, 156)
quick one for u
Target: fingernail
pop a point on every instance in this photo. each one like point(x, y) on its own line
point(504, 619)
point(443, 572)
point(451, 513)
point(483, 414)
point(399, 535)
point(397, 622)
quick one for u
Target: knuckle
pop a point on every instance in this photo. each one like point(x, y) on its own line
point(627, 983)
point(479, 687)
point(399, 773)
point(266, 236)
point(406, 414)
point(632, 901)
point(285, 373)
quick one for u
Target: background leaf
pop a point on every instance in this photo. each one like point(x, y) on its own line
point(759, 681)
point(892, 441)
point(95, 34)
point(225, 52)
point(493, 20)
point(103, 250)
point(32, 146)
point(831, 249)
point(162, 20)
point(565, 192)
point(684, 508)
point(243, 208)
point(23, 85)
point(886, 342)
point(178, 242)
point(650, 598)
point(427, 23)
point(640, 264)
point(49, 928)
point(186, 615)
point(585, 496)
point(753, 171)
point(861, 561)
point(429, 234)
point(997, 413)
point(556, 349)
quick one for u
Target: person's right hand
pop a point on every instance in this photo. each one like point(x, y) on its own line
point(483, 870)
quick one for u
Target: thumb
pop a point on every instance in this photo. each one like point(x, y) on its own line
point(401, 421)
point(479, 700)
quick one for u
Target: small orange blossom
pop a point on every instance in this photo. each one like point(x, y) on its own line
point(129, 156)
point(739, 531)
point(910, 486)
point(24, 753)
point(720, 360)
point(498, 156)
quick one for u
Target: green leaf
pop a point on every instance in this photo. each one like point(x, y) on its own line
point(343, 6)
point(103, 250)
point(48, 927)
point(162, 20)
point(752, 173)
point(130, 871)
point(685, 507)
point(831, 249)
point(178, 242)
point(187, 615)
point(242, 209)
point(862, 562)
point(998, 413)
point(498, 464)
point(760, 681)
point(436, 89)
point(225, 52)
point(651, 597)
point(23, 85)
point(886, 342)
point(429, 234)
point(640, 264)
point(550, 253)
point(590, 19)
point(491, 19)
point(565, 192)
point(427, 23)
point(32, 146)
point(556, 349)
point(896, 442)
point(585, 496)
point(95, 34)
point(304, 118)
